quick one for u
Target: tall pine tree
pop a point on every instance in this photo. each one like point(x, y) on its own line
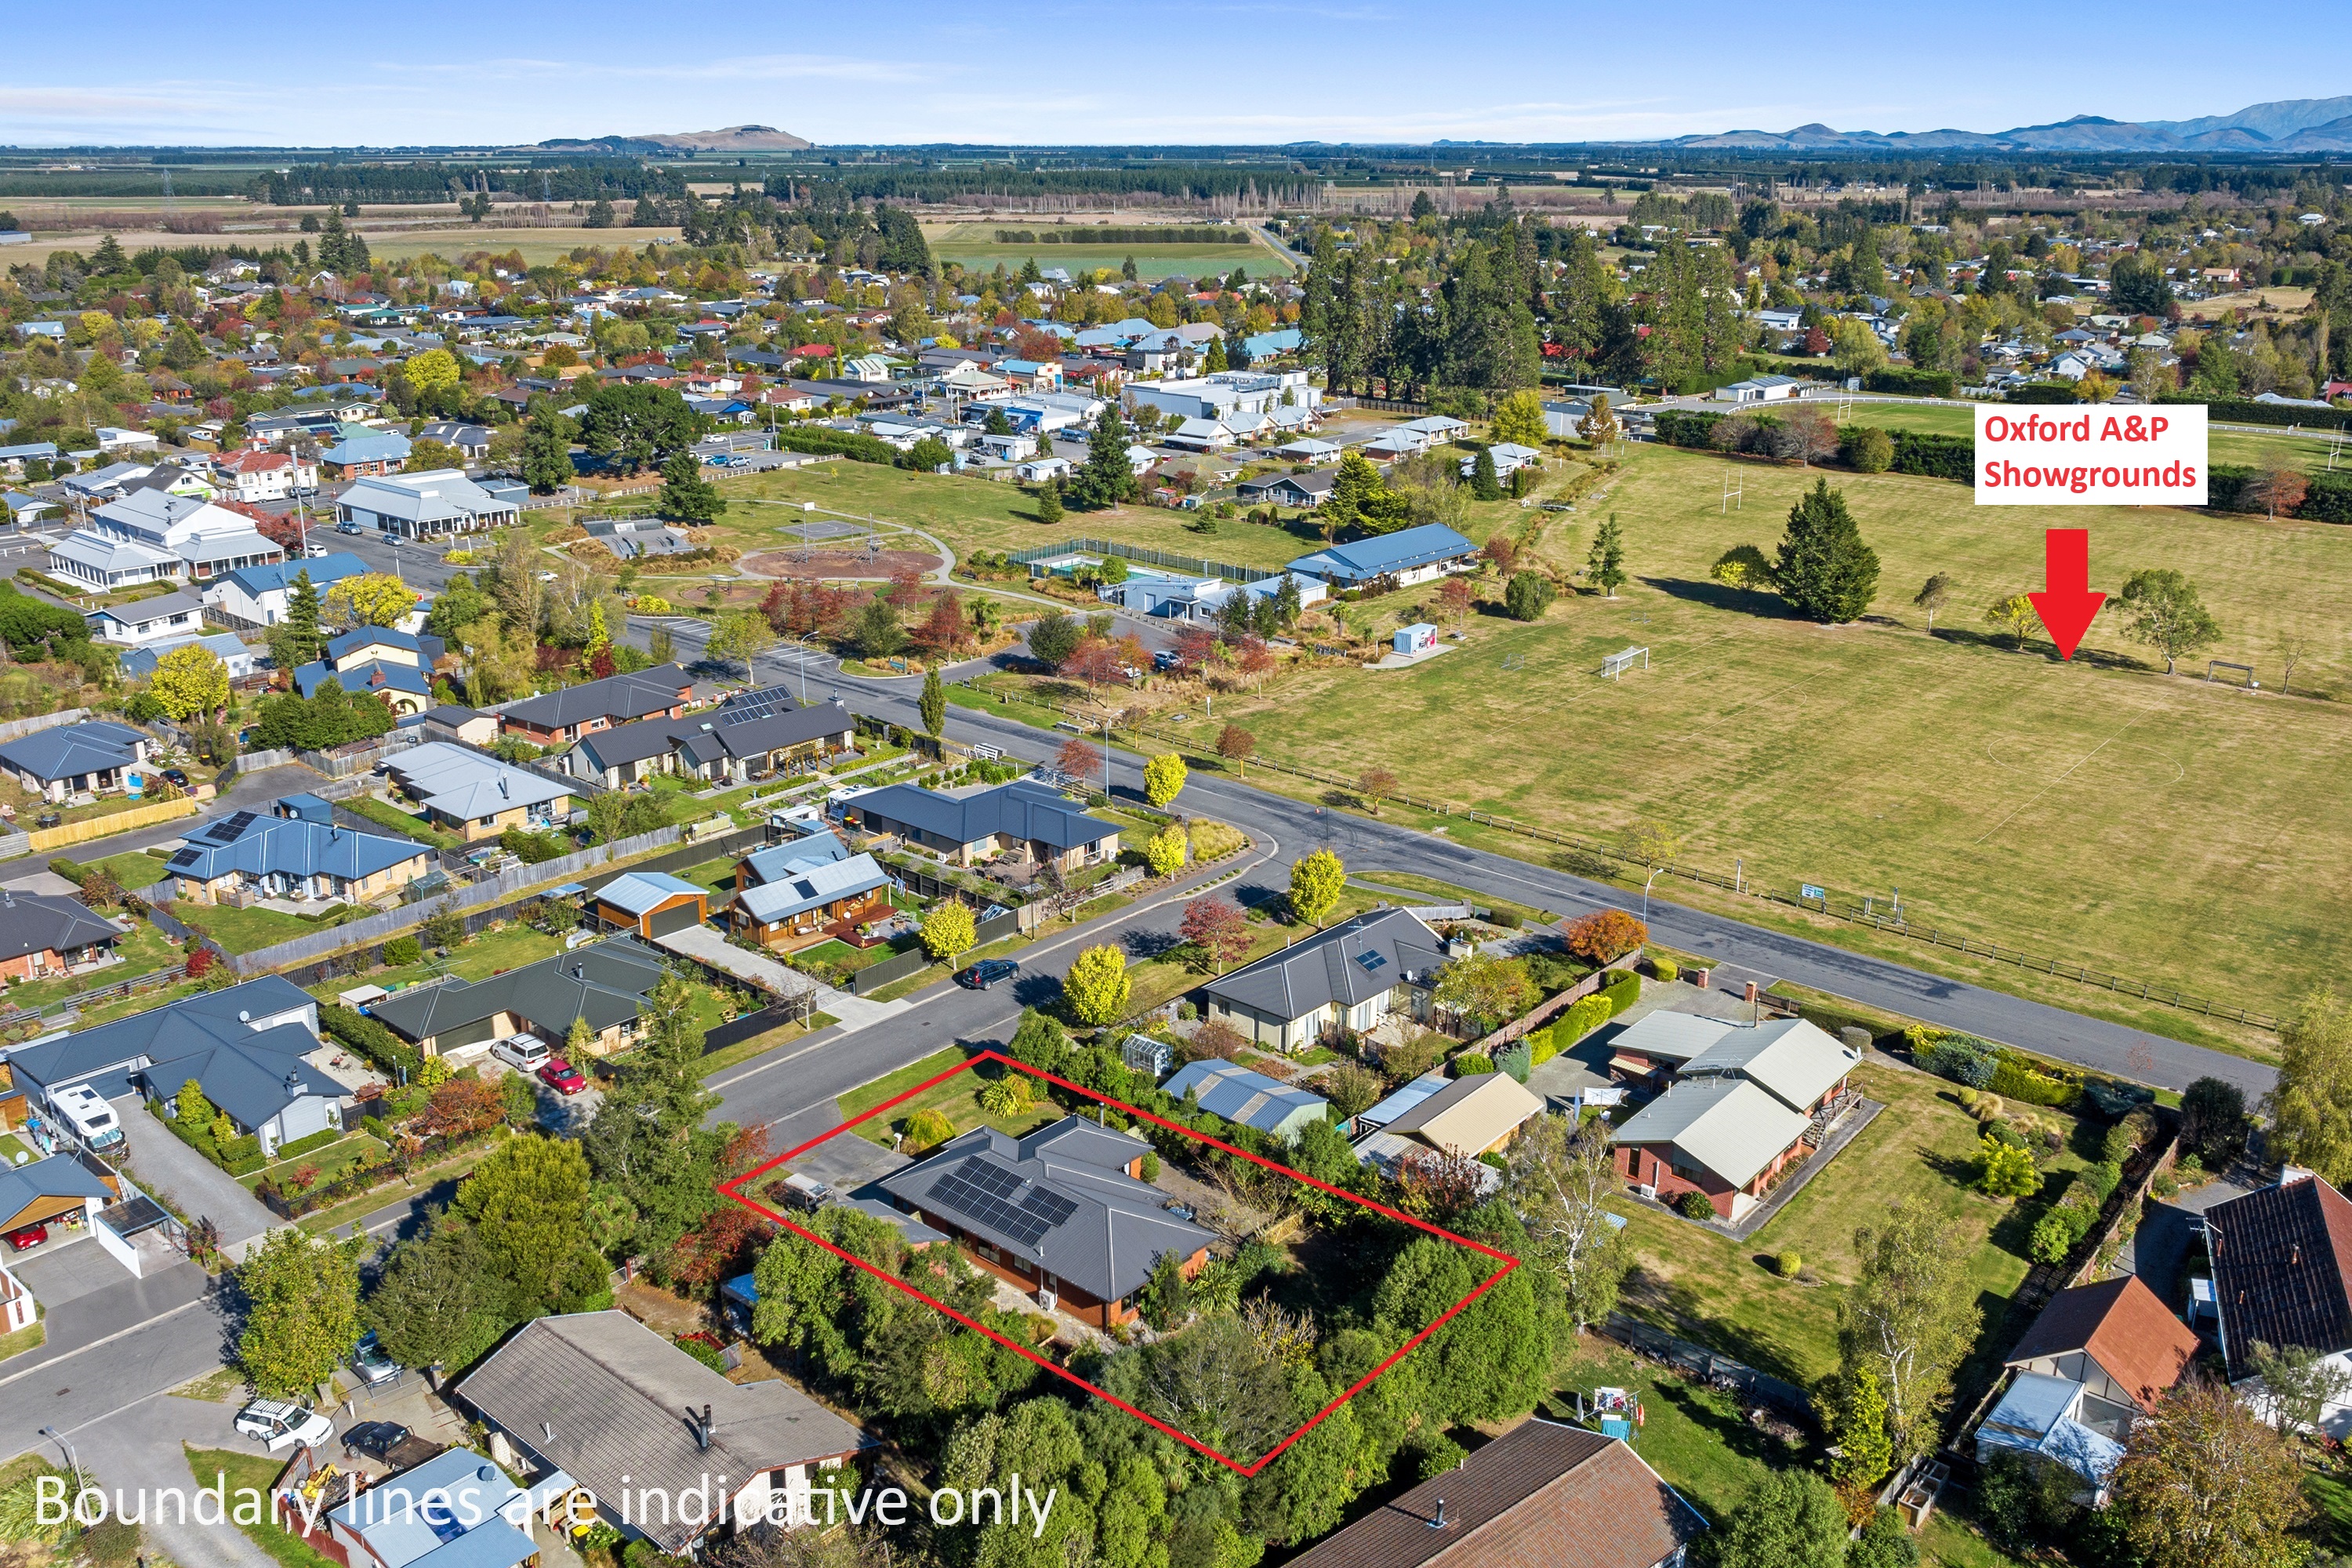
point(1825, 571)
point(1107, 477)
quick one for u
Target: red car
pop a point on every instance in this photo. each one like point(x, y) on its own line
point(32, 1236)
point(560, 1076)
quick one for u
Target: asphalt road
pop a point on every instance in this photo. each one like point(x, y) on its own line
point(1368, 845)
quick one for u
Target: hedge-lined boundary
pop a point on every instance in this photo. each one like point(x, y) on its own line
point(2246, 411)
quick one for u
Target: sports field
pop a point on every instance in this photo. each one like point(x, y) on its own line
point(2153, 826)
point(975, 245)
point(972, 514)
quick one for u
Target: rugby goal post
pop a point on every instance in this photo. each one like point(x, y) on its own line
point(1616, 664)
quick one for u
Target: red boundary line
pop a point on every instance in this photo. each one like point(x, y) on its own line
point(732, 1189)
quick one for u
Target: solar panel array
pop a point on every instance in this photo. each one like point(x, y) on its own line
point(229, 831)
point(1371, 961)
point(984, 1192)
point(757, 705)
point(187, 857)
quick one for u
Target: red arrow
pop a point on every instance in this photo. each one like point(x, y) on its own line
point(2069, 604)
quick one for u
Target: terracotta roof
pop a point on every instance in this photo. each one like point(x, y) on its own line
point(2283, 1271)
point(2125, 1329)
point(1519, 1502)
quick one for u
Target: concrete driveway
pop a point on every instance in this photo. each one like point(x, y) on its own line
point(65, 1269)
point(161, 1163)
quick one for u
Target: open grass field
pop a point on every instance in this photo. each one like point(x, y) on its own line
point(972, 514)
point(2241, 447)
point(2154, 826)
point(975, 245)
point(536, 245)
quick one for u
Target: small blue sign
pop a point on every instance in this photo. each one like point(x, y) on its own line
point(1807, 890)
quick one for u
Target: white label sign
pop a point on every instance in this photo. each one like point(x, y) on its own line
point(2058, 455)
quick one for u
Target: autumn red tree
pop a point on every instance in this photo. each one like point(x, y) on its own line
point(724, 1245)
point(944, 630)
point(1095, 661)
point(1253, 656)
point(461, 1106)
point(2278, 486)
point(1217, 927)
point(1195, 648)
point(1606, 935)
point(1453, 593)
point(1500, 552)
point(1236, 744)
point(1077, 759)
point(1214, 1041)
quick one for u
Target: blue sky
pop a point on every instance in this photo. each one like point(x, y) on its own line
point(1213, 72)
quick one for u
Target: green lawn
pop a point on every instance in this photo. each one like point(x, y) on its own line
point(1706, 1287)
point(975, 514)
point(2155, 827)
point(408, 824)
point(246, 931)
point(238, 1469)
point(2244, 448)
point(719, 875)
point(958, 1097)
point(332, 1160)
point(743, 1051)
point(134, 871)
point(31, 1337)
point(144, 950)
point(478, 959)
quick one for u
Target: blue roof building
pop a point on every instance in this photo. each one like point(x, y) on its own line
point(291, 857)
point(1410, 555)
point(377, 452)
point(1265, 345)
point(87, 757)
point(455, 1510)
point(791, 893)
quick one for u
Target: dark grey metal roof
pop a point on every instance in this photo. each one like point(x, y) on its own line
point(186, 1028)
point(632, 696)
point(47, 922)
point(1022, 809)
point(1353, 962)
point(1060, 1198)
point(768, 721)
point(605, 982)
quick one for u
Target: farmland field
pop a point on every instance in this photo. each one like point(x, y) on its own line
point(975, 245)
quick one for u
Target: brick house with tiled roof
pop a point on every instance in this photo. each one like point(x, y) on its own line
point(1540, 1495)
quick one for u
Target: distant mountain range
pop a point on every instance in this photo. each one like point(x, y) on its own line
point(732, 139)
point(2292, 125)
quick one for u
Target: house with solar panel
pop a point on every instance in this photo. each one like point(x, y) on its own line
point(796, 895)
point(762, 733)
point(90, 758)
point(1063, 1213)
point(1025, 821)
point(1381, 964)
point(246, 856)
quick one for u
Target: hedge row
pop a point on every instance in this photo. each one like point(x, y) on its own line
point(1980, 1064)
point(1912, 383)
point(1915, 451)
point(2328, 498)
point(1622, 993)
point(2246, 411)
point(1935, 456)
point(308, 1142)
point(378, 1043)
point(240, 1156)
point(2042, 392)
point(842, 443)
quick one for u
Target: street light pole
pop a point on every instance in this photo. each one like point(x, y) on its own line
point(801, 643)
point(1645, 893)
point(71, 1458)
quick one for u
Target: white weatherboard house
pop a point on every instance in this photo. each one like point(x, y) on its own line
point(432, 504)
point(151, 536)
point(172, 617)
